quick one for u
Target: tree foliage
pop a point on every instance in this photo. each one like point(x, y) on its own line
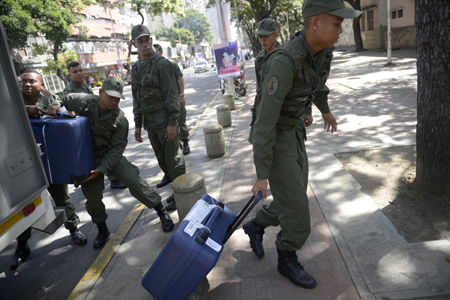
point(163, 34)
point(196, 23)
point(186, 37)
point(152, 7)
point(52, 20)
point(61, 63)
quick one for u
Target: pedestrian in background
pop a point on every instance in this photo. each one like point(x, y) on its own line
point(91, 81)
point(293, 77)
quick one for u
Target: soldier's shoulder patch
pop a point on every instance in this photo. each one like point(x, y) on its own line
point(272, 85)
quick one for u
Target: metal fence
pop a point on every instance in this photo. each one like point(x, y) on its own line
point(53, 83)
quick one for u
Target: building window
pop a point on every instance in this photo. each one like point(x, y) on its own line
point(398, 13)
point(370, 20)
point(363, 21)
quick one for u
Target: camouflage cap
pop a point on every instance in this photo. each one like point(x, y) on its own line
point(138, 31)
point(113, 86)
point(266, 27)
point(333, 7)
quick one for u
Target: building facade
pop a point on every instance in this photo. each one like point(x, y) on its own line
point(374, 23)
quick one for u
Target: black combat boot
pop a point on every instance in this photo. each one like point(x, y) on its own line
point(77, 236)
point(172, 205)
point(22, 251)
point(170, 199)
point(186, 149)
point(102, 236)
point(165, 181)
point(166, 220)
point(255, 232)
point(117, 184)
point(289, 267)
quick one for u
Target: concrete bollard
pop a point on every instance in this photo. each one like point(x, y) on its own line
point(223, 115)
point(214, 140)
point(228, 100)
point(187, 190)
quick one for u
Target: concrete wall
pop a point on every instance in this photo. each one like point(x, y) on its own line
point(404, 37)
point(346, 39)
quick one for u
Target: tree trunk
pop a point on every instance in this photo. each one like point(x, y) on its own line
point(356, 4)
point(433, 95)
point(357, 34)
point(59, 73)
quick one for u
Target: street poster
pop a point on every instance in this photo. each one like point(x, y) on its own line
point(227, 60)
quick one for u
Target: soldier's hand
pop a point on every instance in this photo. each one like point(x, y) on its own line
point(137, 135)
point(34, 111)
point(51, 111)
point(308, 120)
point(260, 186)
point(94, 173)
point(330, 122)
point(171, 133)
point(182, 101)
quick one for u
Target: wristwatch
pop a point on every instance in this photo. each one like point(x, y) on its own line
point(181, 95)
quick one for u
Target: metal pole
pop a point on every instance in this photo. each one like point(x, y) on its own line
point(195, 46)
point(287, 22)
point(115, 40)
point(389, 47)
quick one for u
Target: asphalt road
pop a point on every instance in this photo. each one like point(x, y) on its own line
point(56, 264)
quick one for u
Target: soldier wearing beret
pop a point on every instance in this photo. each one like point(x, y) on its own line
point(293, 77)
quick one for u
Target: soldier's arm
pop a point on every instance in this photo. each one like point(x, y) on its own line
point(71, 102)
point(117, 146)
point(137, 113)
point(277, 83)
point(321, 100)
point(169, 90)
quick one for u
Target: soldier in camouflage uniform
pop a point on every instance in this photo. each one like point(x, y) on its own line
point(184, 132)
point(77, 85)
point(109, 130)
point(31, 84)
point(156, 104)
point(293, 77)
point(267, 36)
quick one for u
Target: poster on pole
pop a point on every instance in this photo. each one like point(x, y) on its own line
point(227, 60)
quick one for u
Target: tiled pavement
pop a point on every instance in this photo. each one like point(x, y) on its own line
point(239, 274)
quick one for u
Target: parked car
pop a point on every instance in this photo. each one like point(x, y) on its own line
point(201, 66)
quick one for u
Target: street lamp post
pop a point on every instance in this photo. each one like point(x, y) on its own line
point(119, 61)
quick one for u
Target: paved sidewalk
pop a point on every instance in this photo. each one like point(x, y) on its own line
point(239, 274)
point(354, 252)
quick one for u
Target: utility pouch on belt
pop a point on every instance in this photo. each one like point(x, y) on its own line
point(151, 108)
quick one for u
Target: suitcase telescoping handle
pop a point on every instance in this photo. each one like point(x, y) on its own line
point(209, 220)
point(242, 215)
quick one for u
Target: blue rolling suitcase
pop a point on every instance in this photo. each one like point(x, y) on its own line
point(194, 248)
point(67, 147)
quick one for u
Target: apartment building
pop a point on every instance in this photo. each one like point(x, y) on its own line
point(374, 23)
